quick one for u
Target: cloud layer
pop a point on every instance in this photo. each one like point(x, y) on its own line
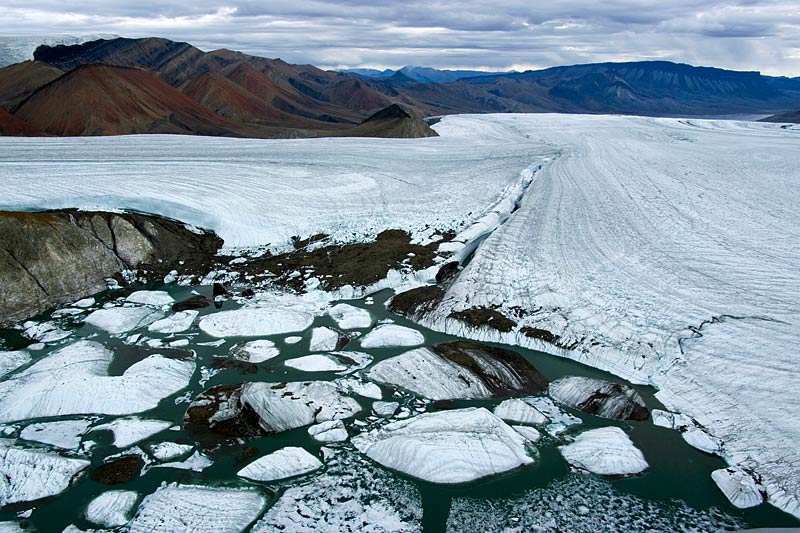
point(512, 34)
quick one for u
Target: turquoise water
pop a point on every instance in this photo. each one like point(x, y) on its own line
point(678, 472)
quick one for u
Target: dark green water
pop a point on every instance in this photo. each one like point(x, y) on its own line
point(677, 470)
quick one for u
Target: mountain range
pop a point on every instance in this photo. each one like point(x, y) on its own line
point(154, 85)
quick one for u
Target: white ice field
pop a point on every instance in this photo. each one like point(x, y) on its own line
point(666, 251)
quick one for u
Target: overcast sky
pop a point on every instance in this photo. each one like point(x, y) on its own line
point(482, 34)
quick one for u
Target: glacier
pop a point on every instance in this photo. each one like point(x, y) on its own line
point(661, 250)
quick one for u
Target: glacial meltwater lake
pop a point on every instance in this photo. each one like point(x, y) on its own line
point(675, 493)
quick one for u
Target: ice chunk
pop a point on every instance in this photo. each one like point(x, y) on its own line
point(354, 386)
point(154, 298)
point(112, 508)
point(116, 320)
point(197, 462)
point(669, 420)
point(255, 322)
point(11, 527)
point(30, 474)
point(385, 408)
point(128, 431)
point(197, 509)
point(532, 434)
point(168, 451)
point(64, 434)
point(73, 380)
point(446, 447)
point(559, 420)
point(12, 360)
point(701, 440)
point(519, 411)
point(738, 486)
point(601, 398)
point(175, 323)
point(316, 363)
point(330, 431)
point(294, 339)
point(85, 302)
point(606, 451)
point(256, 351)
point(389, 335)
point(350, 317)
point(44, 332)
point(351, 496)
point(282, 406)
point(323, 340)
point(284, 463)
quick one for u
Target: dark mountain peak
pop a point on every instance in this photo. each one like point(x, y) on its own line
point(392, 112)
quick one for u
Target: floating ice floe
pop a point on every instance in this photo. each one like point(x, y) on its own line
point(11, 527)
point(446, 447)
point(168, 451)
point(343, 362)
point(117, 320)
point(361, 388)
point(294, 339)
point(738, 486)
point(665, 419)
point(255, 322)
point(112, 508)
point(256, 351)
point(700, 439)
point(65, 434)
point(385, 408)
point(389, 335)
point(44, 331)
point(351, 496)
point(323, 340)
point(532, 434)
point(601, 398)
point(519, 411)
point(197, 462)
point(74, 380)
point(85, 303)
point(30, 474)
point(284, 463)
point(606, 451)
point(350, 317)
point(154, 298)
point(460, 370)
point(174, 323)
point(197, 509)
point(12, 360)
point(330, 431)
point(559, 421)
point(128, 431)
point(282, 406)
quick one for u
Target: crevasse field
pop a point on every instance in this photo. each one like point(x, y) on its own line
point(663, 251)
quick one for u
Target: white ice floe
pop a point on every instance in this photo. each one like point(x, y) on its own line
point(446, 447)
point(11, 527)
point(360, 388)
point(352, 495)
point(117, 320)
point(323, 340)
point(64, 434)
point(154, 298)
point(44, 331)
point(74, 380)
point(85, 303)
point(12, 360)
point(30, 474)
point(389, 335)
point(665, 419)
point(197, 462)
point(532, 434)
point(282, 406)
point(294, 339)
point(330, 431)
point(169, 451)
point(598, 397)
point(284, 463)
point(316, 363)
point(256, 351)
point(385, 408)
point(174, 323)
point(350, 317)
point(738, 486)
point(701, 440)
point(197, 509)
point(606, 451)
point(112, 508)
point(128, 431)
point(519, 411)
point(255, 322)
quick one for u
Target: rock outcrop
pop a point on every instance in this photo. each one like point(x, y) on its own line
point(47, 258)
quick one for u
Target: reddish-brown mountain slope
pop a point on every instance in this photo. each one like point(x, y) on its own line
point(105, 100)
point(19, 81)
point(12, 125)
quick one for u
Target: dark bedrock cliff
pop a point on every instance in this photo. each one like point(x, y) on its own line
point(47, 258)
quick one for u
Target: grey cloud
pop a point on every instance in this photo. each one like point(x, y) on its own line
point(746, 35)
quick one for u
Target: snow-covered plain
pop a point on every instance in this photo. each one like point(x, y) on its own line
point(662, 250)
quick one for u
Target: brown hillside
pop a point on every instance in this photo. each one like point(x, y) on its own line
point(11, 125)
point(105, 100)
point(17, 82)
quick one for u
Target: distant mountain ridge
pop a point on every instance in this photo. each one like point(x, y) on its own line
point(175, 87)
point(421, 74)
